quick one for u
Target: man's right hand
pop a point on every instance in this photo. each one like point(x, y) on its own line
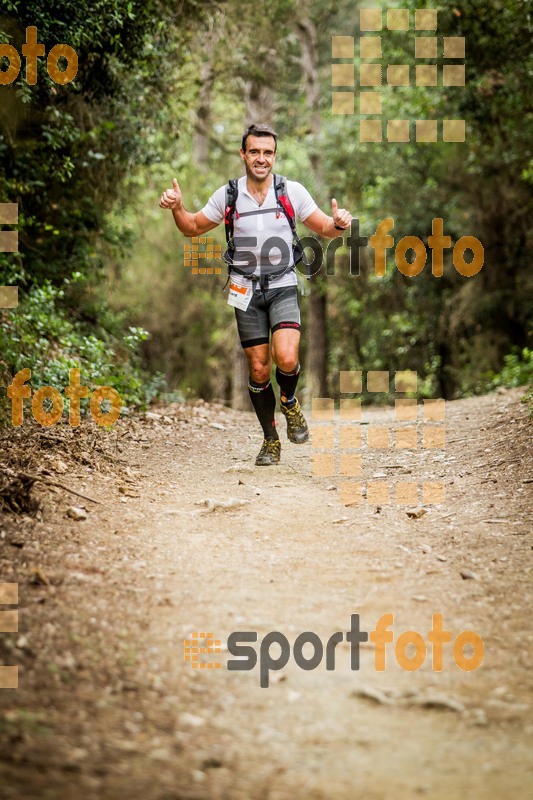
point(172, 197)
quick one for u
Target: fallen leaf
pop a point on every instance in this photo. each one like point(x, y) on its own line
point(223, 505)
point(127, 492)
point(76, 512)
point(38, 577)
point(438, 701)
point(193, 720)
point(467, 574)
point(371, 693)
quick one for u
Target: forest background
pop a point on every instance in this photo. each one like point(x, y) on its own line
point(164, 89)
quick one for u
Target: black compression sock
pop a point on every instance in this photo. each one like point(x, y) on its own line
point(264, 402)
point(287, 385)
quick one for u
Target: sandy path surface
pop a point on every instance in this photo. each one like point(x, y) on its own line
point(107, 707)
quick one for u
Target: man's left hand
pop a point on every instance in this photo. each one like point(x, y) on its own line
point(341, 217)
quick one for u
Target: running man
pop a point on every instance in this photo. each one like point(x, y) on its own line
point(258, 211)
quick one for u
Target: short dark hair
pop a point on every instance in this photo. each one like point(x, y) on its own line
point(259, 130)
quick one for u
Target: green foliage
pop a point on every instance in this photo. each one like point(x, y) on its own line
point(68, 156)
point(68, 151)
point(517, 370)
point(460, 328)
point(191, 325)
point(42, 337)
point(452, 330)
point(528, 400)
point(87, 162)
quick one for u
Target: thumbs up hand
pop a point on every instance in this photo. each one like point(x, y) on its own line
point(172, 198)
point(341, 217)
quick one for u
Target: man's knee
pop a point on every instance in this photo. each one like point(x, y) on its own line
point(287, 359)
point(259, 370)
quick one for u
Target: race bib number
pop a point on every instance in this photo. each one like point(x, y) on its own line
point(239, 296)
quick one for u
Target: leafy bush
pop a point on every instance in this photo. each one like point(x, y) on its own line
point(53, 344)
point(528, 400)
point(517, 370)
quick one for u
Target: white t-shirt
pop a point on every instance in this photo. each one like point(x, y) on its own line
point(271, 222)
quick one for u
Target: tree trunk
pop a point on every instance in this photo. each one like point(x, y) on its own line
point(259, 100)
point(240, 399)
point(202, 122)
point(316, 362)
point(316, 334)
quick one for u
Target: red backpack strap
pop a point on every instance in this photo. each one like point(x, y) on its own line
point(283, 201)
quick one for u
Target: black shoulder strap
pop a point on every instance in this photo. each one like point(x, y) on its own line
point(232, 192)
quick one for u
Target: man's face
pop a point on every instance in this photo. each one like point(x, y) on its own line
point(259, 156)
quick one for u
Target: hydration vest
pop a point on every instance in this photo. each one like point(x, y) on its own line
point(283, 206)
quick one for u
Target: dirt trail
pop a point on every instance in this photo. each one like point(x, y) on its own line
point(107, 708)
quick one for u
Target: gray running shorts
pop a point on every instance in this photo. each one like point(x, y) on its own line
point(269, 311)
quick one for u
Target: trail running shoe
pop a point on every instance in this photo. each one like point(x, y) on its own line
point(269, 454)
point(297, 430)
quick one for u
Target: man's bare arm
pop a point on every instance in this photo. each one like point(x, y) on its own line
point(320, 223)
point(189, 224)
